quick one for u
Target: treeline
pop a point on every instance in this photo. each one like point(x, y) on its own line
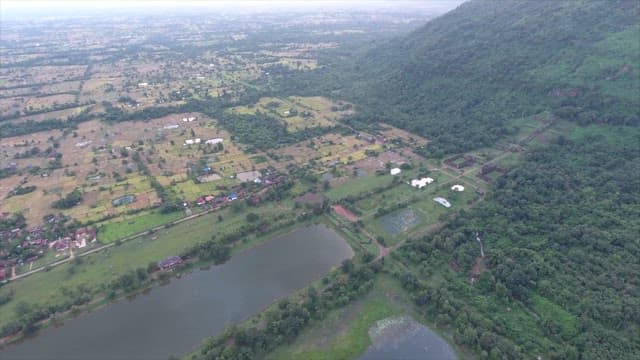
point(560, 234)
point(282, 323)
point(68, 201)
point(8, 129)
point(21, 190)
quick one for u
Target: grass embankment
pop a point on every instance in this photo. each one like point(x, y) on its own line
point(95, 272)
point(115, 230)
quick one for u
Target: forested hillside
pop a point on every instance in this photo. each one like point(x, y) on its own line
point(462, 77)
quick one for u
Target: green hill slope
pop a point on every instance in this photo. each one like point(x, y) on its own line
point(461, 77)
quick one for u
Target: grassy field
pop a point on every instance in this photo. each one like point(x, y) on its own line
point(113, 231)
point(343, 333)
point(427, 210)
point(358, 185)
point(98, 270)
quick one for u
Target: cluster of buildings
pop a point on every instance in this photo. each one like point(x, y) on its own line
point(189, 119)
point(78, 240)
point(268, 179)
point(422, 182)
point(213, 141)
point(34, 242)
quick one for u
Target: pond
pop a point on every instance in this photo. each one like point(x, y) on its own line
point(175, 318)
point(400, 221)
point(404, 338)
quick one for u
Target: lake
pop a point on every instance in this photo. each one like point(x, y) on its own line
point(175, 318)
point(404, 338)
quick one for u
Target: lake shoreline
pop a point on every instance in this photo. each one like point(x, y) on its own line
point(194, 272)
point(189, 268)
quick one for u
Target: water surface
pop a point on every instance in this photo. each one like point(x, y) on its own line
point(400, 221)
point(402, 338)
point(173, 319)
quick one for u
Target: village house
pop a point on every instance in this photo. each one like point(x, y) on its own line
point(214, 141)
point(420, 183)
point(442, 201)
point(84, 235)
point(60, 245)
point(192, 141)
point(395, 171)
point(457, 188)
point(170, 263)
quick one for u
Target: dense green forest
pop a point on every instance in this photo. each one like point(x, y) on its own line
point(561, 268)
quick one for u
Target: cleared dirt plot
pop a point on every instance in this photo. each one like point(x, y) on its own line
point(102, 88)
point(390, 133)
point(48, 89)
point(57, 114)
point(373, 163)
point(48, 102)
point(14, 105)
point(327, 150)
point(106, 161)
point(16, 76)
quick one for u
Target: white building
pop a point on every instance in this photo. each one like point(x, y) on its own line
point(189, 119)
point(192, 141)
point(395, 171)
point(457, 188)
point(170, 127)
point(442, 201)
point(143, 84)
point(420, 183)
point(213, 141)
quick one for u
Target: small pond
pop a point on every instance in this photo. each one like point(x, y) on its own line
point(400, 221)
point(402, 338)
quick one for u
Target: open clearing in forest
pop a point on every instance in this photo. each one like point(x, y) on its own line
point(297, 112)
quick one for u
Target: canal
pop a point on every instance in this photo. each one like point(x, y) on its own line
point(174, 319)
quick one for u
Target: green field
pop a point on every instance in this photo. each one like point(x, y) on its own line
point(113, 231)
point(421, 202)
point(358, 185)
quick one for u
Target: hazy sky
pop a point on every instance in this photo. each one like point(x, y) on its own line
point(54, 8)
